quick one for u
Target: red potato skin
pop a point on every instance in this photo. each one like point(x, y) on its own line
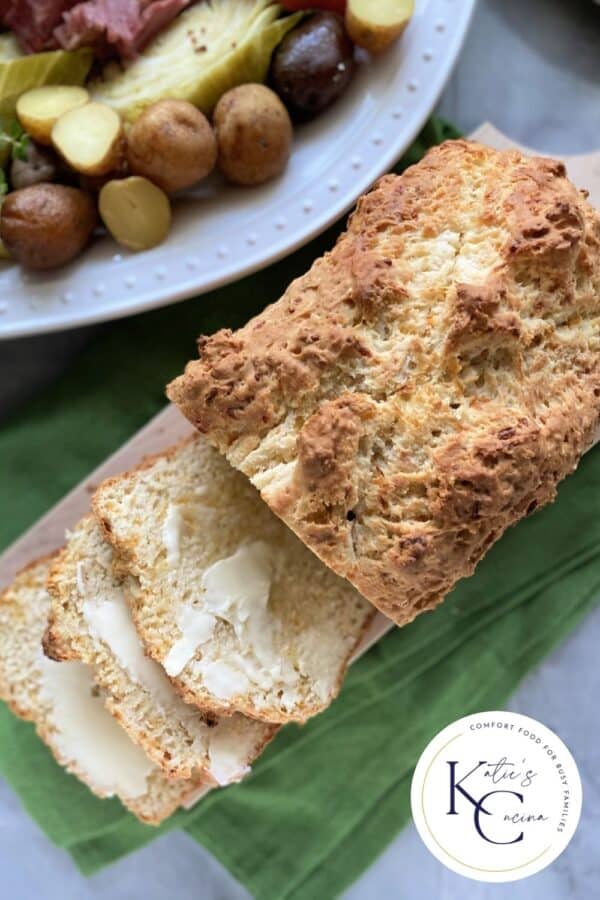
point(338, 6)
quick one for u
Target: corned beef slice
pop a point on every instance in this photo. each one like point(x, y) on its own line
point(124, 26)
point(33, 21)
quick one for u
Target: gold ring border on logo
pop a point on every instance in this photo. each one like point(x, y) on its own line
point(443, 849)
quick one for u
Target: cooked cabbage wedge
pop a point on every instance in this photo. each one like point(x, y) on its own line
point(209, 48)
point(21, 73)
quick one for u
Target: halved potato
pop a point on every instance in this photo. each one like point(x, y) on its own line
point(135, 212)
point(90, 139)
point(374, 26)
point(38, 110)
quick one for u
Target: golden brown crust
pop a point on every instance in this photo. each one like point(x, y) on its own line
point(53, 644)
point(428, 382)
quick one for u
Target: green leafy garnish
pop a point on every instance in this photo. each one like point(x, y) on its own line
point(3, 185)
point(16, 140)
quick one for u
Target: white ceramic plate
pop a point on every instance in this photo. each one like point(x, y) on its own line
point(221, 233)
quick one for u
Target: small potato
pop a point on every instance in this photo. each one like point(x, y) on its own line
point(136, 212)
point(313, 65)
point(375, 26)
point(39, 110)
point(90, 139)
point(46, 225)
point(254, 134)
point(39, 167)
point(172, 144)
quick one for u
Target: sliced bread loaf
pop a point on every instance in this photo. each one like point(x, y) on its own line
point(240, 614)
point(90, 621)
point(428, 382)
point(67, 708)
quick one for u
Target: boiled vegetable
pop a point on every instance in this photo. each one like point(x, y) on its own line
point(39, 109)
point(172, 144)
point(374, 26)
point(135, 212)
point(46, 225)
point(313, 65)
point(90, 139)
point(20, 74)
point(254, 134)
point(207, 50)
point(37, 167)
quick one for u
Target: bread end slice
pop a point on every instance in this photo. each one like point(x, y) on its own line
point(67, 708)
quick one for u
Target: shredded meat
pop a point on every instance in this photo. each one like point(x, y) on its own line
point(110, 27)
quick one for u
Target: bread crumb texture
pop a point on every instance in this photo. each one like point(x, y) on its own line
point(428, 382)
point(90, 621)
point(67, 708)
point(242, 617)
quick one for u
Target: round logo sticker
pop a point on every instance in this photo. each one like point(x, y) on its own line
point(496, 796)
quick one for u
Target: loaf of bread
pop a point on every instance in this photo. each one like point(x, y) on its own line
point(67, 708)
point(240, 614)
point(90, 621)
point(428, 382)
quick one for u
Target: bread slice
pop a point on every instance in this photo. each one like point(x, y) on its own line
point(67, 708)
point(428, 382)
point(240, 614)
point(91, 621)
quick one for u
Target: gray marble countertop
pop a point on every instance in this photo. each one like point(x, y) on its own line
point(532, 67)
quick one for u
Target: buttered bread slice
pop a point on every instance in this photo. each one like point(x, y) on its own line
point(428, 382)
point(240, 614)
point(90, 621)
point(67, 708)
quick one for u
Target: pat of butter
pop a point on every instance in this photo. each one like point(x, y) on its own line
point(222, 680)
point(109, 620)
point(235, 590)
point(241, 583)
point(196, 628)
point(80, 578)
point(88, 736)
point(228, 752)
point(171, 533)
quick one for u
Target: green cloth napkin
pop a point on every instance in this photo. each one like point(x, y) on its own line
point(325, 799)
